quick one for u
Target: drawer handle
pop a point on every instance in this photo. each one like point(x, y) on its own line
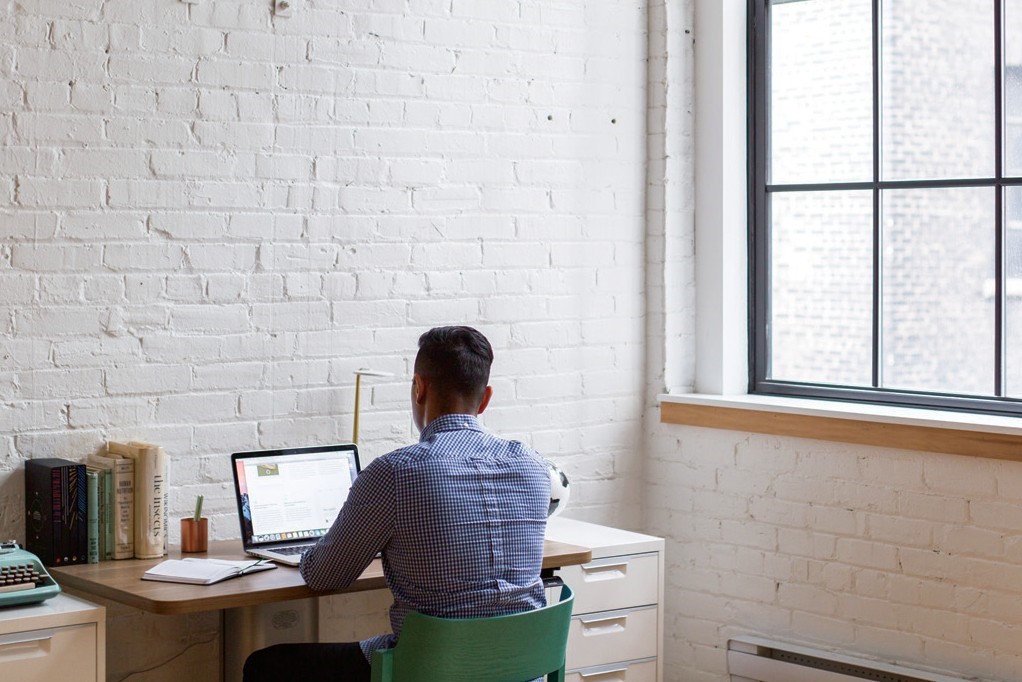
point(605, 572)
point(603, 673)
point(25, 645)
point(26, 637)
point(603, 626)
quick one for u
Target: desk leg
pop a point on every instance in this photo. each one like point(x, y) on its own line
point(249, 628)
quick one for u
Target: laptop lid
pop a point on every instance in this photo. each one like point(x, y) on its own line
point(292, 495)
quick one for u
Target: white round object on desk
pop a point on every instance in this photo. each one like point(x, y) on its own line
point(560, 490)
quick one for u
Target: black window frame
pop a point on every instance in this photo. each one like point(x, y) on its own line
point(759, 237)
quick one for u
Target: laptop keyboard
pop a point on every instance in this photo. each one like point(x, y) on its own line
point(293, 549)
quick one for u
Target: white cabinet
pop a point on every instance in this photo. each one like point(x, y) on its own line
point(62, 637)
point(616, 632)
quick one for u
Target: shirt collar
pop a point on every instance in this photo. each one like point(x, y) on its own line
point(450, 422)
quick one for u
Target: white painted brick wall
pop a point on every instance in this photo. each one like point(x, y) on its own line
point(210, 217)
point(909, 557)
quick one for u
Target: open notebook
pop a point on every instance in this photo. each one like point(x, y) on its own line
point(204, 571)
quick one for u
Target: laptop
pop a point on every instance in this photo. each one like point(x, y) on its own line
point(287, 499)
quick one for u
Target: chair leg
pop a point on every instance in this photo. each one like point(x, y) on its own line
point(382, 666)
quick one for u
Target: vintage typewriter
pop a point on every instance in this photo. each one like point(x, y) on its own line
point(23, 578)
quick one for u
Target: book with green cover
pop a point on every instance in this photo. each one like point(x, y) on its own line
point(121, 502)
point(106, 517)
point(101, 509)
point(92, 515)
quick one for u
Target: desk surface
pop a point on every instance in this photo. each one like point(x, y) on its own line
point(121, 581)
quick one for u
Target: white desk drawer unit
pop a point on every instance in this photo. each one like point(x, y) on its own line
point(60, 637)
point(630, 633)
point(633, 671)
point(614, 582)
point(50, 654)
point(616, 632)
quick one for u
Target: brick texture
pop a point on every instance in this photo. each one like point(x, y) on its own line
point(211, 216)
point(192, 193)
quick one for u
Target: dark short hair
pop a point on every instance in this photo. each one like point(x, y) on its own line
point(455, 360)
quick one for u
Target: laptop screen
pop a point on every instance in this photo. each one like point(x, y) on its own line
point(291, 495)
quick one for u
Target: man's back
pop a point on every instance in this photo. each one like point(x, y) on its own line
point(459, 517)
point(469, 521)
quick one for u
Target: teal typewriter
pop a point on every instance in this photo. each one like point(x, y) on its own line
point(23, 578)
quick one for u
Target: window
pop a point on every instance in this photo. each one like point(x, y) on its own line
point(886, 201)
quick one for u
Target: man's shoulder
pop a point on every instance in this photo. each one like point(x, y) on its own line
point(401, 455)
point(458, 444)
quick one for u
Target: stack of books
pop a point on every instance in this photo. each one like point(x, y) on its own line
point(127, 502)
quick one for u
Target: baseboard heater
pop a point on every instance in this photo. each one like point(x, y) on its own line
point(760, 660)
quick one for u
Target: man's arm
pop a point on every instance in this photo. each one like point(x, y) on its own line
point(362, 528)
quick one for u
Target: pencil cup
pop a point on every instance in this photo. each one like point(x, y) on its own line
point(194, 535)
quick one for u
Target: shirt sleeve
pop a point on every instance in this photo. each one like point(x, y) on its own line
point(362, 528)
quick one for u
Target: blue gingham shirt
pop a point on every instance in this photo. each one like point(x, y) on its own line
point(459, 518)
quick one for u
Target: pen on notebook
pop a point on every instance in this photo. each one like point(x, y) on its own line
point(254, 567)
point(198, 508)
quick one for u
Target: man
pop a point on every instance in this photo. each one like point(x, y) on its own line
point(459, 517)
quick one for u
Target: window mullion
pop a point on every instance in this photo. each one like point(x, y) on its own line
point(877, 236)
point(1000, 289)
point(759, 209)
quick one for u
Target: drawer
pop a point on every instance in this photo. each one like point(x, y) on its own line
point(632, 671)
point(619, 582)
point(46, 655)
point(621, 635)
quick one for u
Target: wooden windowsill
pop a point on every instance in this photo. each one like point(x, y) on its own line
point(882, 426)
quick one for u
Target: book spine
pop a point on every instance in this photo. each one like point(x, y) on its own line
point(161, 491)
point(124, 513)
point(92, 516)
point(101, 520)
point(106, 504)
point(73, 512)
point(150, 500)
point(166, 499)
point(57, 503)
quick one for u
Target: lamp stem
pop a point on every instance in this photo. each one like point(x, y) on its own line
point(358, 394)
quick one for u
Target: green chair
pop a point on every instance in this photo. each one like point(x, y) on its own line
point(515, 648)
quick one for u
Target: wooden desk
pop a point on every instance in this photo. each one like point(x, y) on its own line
point(121, 581)
point(246, 601)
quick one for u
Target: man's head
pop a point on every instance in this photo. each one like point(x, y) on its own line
point(452, 373)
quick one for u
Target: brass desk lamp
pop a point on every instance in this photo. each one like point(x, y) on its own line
point(363, 372)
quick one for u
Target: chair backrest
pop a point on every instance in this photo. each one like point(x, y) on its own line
point(514, 648)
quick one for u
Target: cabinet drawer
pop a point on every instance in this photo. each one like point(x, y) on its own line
point(622, 635)
point(632, 671)
point(614, 582)
point(46, 655)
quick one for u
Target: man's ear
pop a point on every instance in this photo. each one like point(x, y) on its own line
point(487, 394)
point(419, 389)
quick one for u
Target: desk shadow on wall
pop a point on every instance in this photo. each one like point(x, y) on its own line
point(354, 616)
point(145, 647)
